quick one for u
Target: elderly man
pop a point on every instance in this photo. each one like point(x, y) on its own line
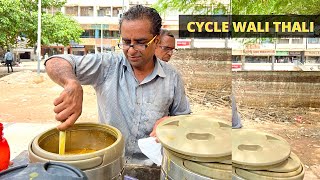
point(134, 89)
point(167, 45)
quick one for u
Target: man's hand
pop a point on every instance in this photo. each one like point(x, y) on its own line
point(153, 133)
point(68, 106)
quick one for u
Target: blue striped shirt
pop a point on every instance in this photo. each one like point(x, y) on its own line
point(123, 102)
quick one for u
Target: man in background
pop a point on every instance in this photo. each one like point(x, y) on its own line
point(167, 45)
point(8, 57)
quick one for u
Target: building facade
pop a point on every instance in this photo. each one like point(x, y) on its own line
point(295, 52)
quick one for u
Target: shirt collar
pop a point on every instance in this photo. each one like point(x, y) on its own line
point(158, 69)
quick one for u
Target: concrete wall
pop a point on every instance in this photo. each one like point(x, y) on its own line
point(204, 68)
point(210, 69)
point(266, 88)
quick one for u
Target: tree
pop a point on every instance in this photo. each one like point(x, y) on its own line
point(241, 7)
point(56, 28)
point(19, 18)
point(195, 7)
point(276, 7)
point(10, 22)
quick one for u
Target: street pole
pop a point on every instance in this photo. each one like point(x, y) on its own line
point(122, 7)
point(39, 36)
point(101, 43)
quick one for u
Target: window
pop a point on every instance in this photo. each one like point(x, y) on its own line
point(104, 11)
point(88, 34)
point(115, 34)
point(72, 11)
point(236, 59)
point(283, 41)
point(313, 41)
point(297, 41)
point(257, 59)
point(86, 11)
point(106, 34)
point(53, 10)
point(116, 11)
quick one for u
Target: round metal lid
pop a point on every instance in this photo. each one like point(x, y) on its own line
point(223, 159)
point(290, 164)
point(196, 135)
point(258, 168)
point(255, 148)
point(279, 174)
point(48, 171)
point(266, 175)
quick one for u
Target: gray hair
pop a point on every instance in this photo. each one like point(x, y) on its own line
point(165, 32)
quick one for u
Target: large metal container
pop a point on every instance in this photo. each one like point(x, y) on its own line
point(174, 168)
point(267, 175)
point(195, 147)
point(258, 155)
point(105, 162)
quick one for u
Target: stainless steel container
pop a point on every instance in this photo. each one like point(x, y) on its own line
point(241, 174)
point(107, 160)
point(195, 147)
point(258, 155)
point(175, 168)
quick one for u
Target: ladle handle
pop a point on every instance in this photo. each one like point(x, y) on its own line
point(62, 142)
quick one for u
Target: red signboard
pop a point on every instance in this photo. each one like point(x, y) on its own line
point(236, 66)
point(183, 43)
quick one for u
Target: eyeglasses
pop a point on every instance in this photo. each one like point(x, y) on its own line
point(137, 47)
point(167, 49)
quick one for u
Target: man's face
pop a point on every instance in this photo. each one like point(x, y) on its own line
point(138, 32)
point(164, 51)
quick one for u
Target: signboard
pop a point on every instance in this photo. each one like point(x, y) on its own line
point(294, 53)
point(259, 52)
point(282, 53)
point(186, 43)
point(312, 53)
point(252, 46)
point(236, 66)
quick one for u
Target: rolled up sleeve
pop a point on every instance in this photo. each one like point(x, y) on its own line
point(91, 69)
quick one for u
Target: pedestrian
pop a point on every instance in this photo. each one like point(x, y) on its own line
point(135, 90)
point(167, 45)
point(46, 56)
point(8, 57)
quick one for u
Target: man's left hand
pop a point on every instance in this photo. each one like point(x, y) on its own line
point(153, 133)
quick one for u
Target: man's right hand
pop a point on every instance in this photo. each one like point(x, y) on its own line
point(68, 106)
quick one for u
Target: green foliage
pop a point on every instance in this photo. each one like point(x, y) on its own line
point(273, 7)
point(9, 21)
point(20, 17)
point(194, 7)
point(241, 7)
point(56, 28)
point(276, 7)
